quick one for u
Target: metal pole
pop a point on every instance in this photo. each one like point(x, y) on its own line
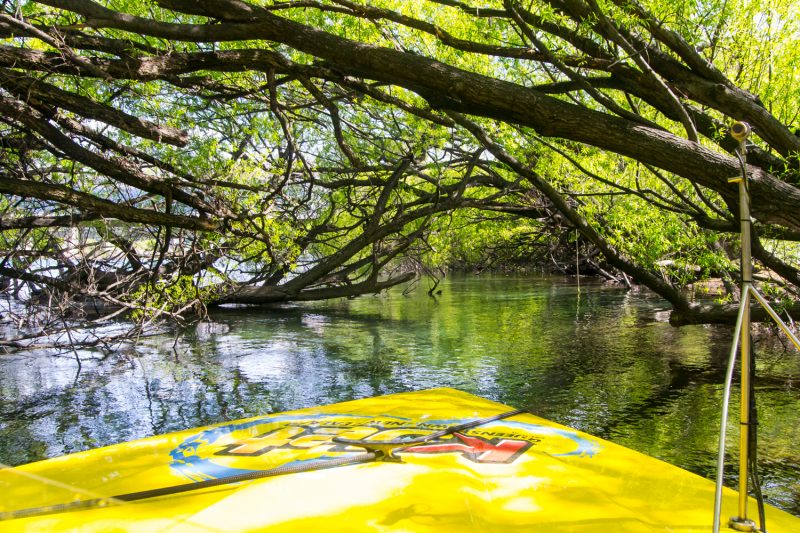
point(740, 132)
point(723, 426)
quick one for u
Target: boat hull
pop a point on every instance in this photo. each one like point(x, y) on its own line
point(521, 473)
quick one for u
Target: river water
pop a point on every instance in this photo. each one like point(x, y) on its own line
point(596, 357)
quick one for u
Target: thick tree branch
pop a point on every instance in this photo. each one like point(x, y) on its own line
point(39, 92)
point(272, 294)
point(119, 170)
point(93, 204)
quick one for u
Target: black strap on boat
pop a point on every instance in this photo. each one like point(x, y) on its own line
point(178, 489)
point(376, 451)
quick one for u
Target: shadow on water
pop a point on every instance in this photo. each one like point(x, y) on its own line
point(601, 359)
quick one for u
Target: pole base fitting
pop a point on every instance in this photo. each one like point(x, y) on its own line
point(742, 524)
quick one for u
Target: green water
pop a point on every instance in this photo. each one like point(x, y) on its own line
point(601, 359)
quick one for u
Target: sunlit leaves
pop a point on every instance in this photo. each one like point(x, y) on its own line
point(294, 156)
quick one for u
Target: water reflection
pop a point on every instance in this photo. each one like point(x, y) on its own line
point(597, 360)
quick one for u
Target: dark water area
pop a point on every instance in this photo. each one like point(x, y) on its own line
point(600, 359)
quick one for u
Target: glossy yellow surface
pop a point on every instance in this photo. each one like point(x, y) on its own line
point(519, 474)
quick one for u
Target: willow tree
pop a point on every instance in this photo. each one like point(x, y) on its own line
point(273, 151)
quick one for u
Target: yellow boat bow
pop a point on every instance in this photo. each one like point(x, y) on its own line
point(516, 473)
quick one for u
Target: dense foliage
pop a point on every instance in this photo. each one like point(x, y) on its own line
point(162, 156)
